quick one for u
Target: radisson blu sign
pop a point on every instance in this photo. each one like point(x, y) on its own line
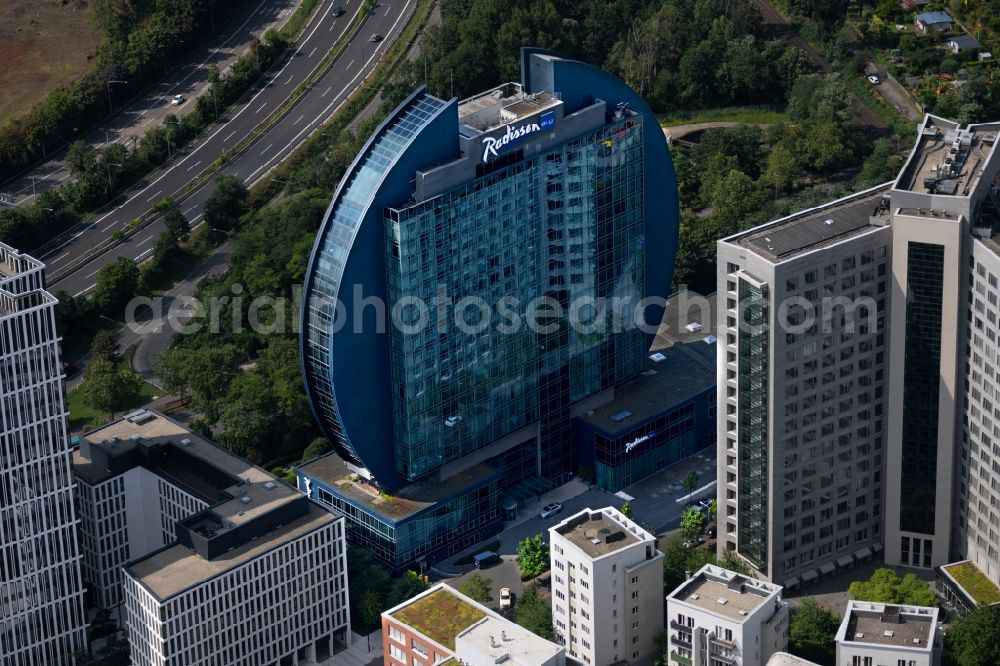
point(492, 145)
point(639, 440)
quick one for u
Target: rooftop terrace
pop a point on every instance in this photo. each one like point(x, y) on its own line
point(815, 228)
point(974, 582)
point(725, 593)
point(409, 500)
point(888, 624)
point(598, 533)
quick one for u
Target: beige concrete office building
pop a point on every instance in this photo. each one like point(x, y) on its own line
point(902, 413)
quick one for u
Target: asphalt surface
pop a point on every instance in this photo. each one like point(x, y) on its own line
point(250, 21)
point(66, 271)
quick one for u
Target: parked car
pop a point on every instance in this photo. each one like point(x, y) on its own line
point(338, 11)
point(377, 37)
point(485, 559)
point(550, 509)
point(176, 100)
point(691, 543)
point(873, 78)
point(505, 601)
point(712, 532)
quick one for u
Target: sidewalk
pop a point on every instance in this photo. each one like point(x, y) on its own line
point(189, 79)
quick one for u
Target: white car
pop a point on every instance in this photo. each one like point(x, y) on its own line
point(177, 100)
point(505, 597)
point(873, 78)
point(550, 509)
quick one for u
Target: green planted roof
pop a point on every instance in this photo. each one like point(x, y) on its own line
point(440, 616)
point(982, 590)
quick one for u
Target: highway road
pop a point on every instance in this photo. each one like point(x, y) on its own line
point(65, 269)
point(250, 21)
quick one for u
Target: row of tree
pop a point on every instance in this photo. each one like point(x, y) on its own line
point(142, 40)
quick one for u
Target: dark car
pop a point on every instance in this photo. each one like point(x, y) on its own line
point(375, 38)
point(338, 11)
point(712, 532)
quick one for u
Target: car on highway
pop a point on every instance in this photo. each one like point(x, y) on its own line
point(377, 37)
point(176, 100)
point(873, 78)
point(550, 509)
point(505, 601)
point(337, 11)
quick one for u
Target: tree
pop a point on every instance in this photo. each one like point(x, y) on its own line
point(885, 586)
point(477, 587)
point(177, 225)
point(692, 523)
point(690, 481)
point(105, 346)
point(371, 608)
point(117, 282)
point(410, 584)
point(316, 448)
point(532, 556)
point(782, 169)
point(108, 388)
point(114, 653)
point(627, 510)
point(534, 613)
point(811, 632)
point(880, 166)
point(974, 638)
point(226, 203)
point(369, 582)
point(713, 510)
point(679, 561)
point(729, 560)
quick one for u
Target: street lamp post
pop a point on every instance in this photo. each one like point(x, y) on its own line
point(111, 188)
point(110, 81)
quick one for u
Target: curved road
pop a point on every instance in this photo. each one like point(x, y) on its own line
point(68, 273)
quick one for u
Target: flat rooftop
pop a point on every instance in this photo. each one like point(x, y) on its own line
point(725, 593)
point(976, 584)
point(948, 159)
point(503, 640)
point(237, 490)
point(440, 614)
point(505, 104)
point(815, 228)
point(686, 311)
point(176, 568)
point(13, 263)
point(887, 624)
point(599, 532)
point(409, 500)
point(679, 375)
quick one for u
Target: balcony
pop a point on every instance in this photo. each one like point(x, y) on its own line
point(680, 659)
point(681, 640)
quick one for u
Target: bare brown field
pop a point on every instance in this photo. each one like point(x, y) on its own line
point(43, 44)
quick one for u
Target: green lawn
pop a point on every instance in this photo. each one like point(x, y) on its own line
point(84, 417)
point(737, 114)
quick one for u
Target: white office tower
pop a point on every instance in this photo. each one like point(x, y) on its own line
point(41, 592)
point(872, 634)
point(607, 587)
point(216, 561)
point(721, 618)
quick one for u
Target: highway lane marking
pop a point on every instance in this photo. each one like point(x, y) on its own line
point(190, 209)
point(349, 86)
point(290, 78)
point(193, 165)
point(230, 135)
point(143, 254)
point(221, 128)
point(261, 107)
point(95, 272)
point(143, 242)
point(313, 51)
point(83, 291)
point(300, 118)
point(154, 196)
point(388, 9)
point(266, 149)
point(327, 91)
point(350, 64)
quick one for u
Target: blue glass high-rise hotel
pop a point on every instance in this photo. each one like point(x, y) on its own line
point(558, 187)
